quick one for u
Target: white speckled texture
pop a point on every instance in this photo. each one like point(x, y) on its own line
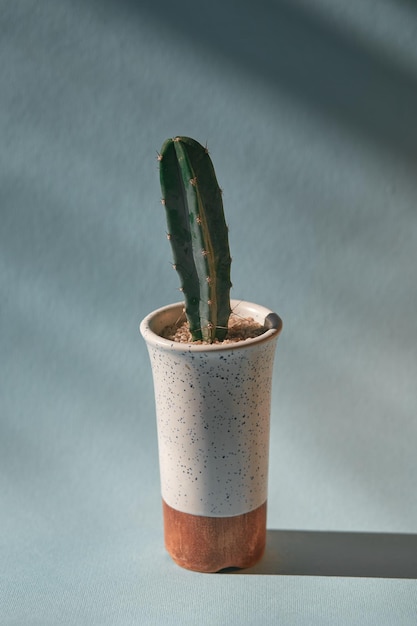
point(213, 413)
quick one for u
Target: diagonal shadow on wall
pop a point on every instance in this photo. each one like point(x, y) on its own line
point(290, 48)
point(349, 554)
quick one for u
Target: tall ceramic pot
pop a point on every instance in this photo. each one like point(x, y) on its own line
point(213, 415)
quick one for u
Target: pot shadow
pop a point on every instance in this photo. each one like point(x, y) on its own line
point(349, 554)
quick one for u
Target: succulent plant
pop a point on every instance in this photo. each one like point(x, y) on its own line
point(198, 235)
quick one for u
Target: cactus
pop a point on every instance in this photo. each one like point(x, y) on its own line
point(198, 235)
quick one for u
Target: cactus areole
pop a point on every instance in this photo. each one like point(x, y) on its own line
point(198, 235)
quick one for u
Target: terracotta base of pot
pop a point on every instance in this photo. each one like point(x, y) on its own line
point(209, 544)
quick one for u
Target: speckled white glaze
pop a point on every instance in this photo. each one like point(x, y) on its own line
point(213, 414)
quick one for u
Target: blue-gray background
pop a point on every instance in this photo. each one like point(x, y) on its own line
point(309, 110)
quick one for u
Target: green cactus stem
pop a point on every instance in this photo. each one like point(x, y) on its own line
point(198, 235)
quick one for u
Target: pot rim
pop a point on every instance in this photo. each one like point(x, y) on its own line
point(271, 321)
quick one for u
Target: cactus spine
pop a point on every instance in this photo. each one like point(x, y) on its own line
point(198, 235)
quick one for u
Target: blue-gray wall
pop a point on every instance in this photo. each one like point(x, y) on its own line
point(309, 111)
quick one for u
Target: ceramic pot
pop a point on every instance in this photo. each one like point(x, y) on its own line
point(213, 416)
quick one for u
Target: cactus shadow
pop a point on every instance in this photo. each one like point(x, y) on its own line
point(346, 554)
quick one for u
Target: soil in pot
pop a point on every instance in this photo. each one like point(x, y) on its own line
point(239, 329)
